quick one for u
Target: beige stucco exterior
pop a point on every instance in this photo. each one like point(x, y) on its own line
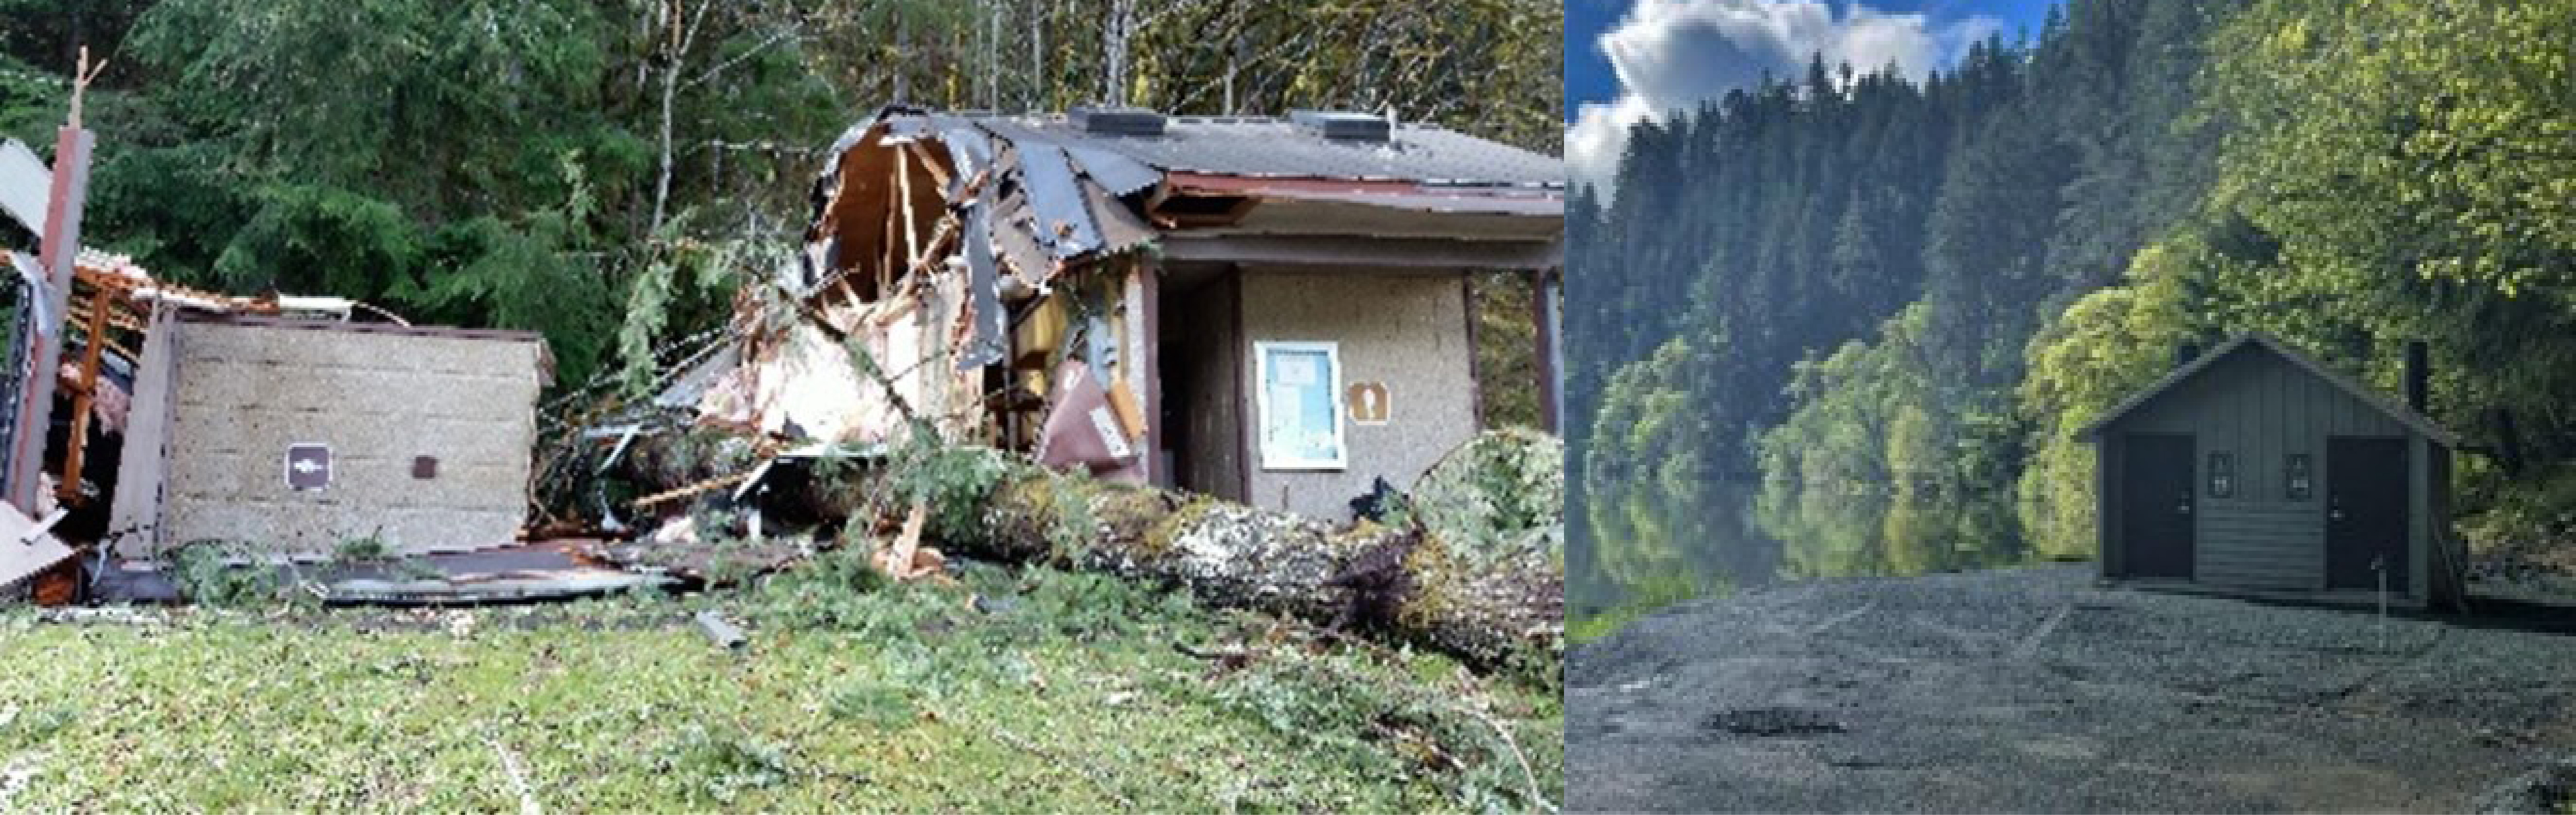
point(239, 393)
point(1406, 330)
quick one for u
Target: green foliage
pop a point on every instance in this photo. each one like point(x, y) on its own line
point(1640, 600)
point(2099, 351)
point(28, 727)
point(955, 481)
point(724, 762)
point(882, 704)
point(1882, 263)
point(419, 156)
point(1496, 495)
point(1507, 351)
point(499, 163)
point(2349, 177)
point(209, 572)
point(1651, 441)
point(2407, 165)
point(367, 547)
point(2532, 514)
point(658, 299)
point(1329, 705)
point(839, 590)
point(619, 704)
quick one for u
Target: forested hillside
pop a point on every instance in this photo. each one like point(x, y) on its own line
point(1869, 313)
point(604, 170)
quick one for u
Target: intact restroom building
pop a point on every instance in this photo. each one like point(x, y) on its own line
point(2255, 468)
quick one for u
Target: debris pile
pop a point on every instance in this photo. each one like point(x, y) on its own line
point(965, 356)
point(960, 362)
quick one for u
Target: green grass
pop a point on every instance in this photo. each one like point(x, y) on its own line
point(850, 696)
point(1583, 628)
point(1637, 600)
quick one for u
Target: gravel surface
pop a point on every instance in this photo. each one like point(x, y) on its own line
point(2033, 690)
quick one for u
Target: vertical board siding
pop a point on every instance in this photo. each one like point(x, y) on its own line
point(2259, 408)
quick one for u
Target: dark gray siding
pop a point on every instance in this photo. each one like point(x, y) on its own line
point(2260, 409)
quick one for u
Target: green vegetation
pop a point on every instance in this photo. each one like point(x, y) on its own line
point(1066, 692)
point(1903, 297)
point(607, 172)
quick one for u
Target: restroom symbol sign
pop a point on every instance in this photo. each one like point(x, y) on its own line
point(308, 467)
point(1368, 403)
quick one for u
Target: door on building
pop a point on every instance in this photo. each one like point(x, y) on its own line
point(2366, 513)
point(2156, 505)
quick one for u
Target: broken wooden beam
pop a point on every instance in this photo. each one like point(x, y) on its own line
point(699, 488)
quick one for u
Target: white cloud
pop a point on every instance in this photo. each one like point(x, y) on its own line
point(1675, 54)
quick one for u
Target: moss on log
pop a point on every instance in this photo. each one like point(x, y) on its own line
point(1490, 610)
point(1497, 609)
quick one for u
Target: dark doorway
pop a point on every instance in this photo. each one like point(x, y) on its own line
point(2366, 513)
point(1201, 357)
point(2156, 504)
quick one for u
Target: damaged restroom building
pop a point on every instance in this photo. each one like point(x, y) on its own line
point(281, 427)
point(147, 417)
point(1277, 311)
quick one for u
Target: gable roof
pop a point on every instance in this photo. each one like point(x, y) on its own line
point(2392, 408)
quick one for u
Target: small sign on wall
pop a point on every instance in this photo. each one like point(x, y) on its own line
point(1368, 403)
point(308, 467)
point(1299, 428)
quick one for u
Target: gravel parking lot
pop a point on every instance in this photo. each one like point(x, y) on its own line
point(2034, 690)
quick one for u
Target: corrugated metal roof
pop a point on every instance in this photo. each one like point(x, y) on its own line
point(1277, 148)
point(1065, 193)
point(1056, 196)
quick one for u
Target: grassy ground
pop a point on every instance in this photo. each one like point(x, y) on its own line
point(1582, 628)
point(1065, 694)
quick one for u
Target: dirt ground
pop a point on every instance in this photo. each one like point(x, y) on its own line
point(2034, 690)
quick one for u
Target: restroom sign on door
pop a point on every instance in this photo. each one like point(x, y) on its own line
point(1367, 402)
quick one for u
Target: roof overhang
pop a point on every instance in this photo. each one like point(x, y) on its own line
point(1351, 252)
point(1394, 209)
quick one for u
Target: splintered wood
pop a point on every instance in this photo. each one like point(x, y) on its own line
point(906, 559)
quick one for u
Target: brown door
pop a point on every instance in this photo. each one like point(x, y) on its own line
point(2366, 513)
point(2156, 505)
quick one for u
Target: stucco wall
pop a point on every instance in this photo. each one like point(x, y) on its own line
point(1408, 331)
point(241, 394)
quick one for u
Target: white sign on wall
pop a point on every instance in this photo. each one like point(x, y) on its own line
point(1300, 405)
point(308, 467)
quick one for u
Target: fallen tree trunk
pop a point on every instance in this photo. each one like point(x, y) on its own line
point(1493, 608)
point(1489, 609)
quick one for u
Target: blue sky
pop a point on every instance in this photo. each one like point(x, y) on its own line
point(1629, 60)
